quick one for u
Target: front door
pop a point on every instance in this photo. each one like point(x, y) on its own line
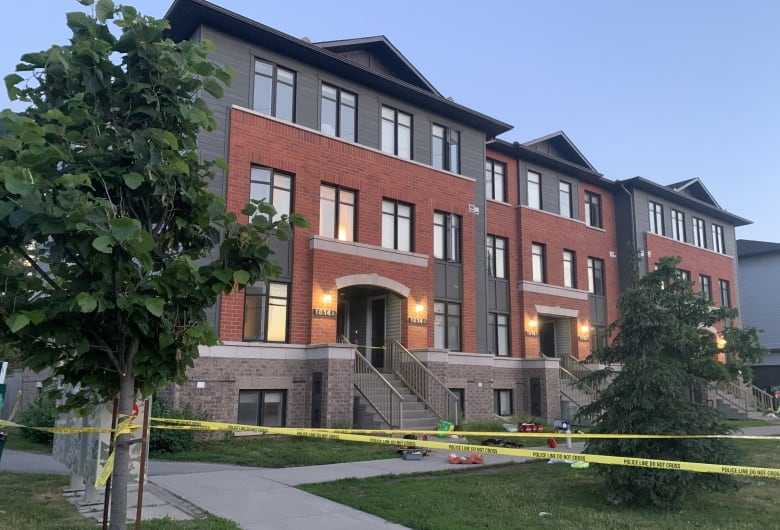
point(376, 331)
point(547, 338)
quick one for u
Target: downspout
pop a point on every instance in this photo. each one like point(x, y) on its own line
point(634, 241)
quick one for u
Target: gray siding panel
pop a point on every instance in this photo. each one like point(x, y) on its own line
point(760, 296)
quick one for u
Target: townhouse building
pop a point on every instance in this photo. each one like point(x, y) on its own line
point(444, 269)
point(759, 266)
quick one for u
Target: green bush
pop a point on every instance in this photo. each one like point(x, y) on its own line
point(164, 441)
point(41, 413)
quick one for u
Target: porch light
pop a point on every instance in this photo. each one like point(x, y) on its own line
point(584, 332)
point(533, 326)
point(721, 342)
point(419, 308)
point(327, 298)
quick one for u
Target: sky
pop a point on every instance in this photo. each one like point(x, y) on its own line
point(664, 89)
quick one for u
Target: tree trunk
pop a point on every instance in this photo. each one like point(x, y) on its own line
point(118, 513)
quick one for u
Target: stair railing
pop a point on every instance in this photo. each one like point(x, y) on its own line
point(762, 399)
point(376, 390)
point(736, 395)
point(422, 382)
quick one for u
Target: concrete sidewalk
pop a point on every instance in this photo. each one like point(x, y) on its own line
point(263, 498)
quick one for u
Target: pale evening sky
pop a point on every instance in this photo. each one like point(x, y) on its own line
point(666, 90)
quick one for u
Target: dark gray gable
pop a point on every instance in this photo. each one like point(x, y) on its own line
point(694, 188)
point(558, 145)
point(378, 53)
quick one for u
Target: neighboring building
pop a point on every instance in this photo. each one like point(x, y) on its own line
point(493, 263)
point(681, 219)
point(759, 268)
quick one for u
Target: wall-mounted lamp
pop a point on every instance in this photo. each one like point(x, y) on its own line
point(584, 333)
point(419, 308)
point(327, 298)
point(533, 328)
point(721, 342)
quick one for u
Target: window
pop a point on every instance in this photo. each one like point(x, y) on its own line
point(262, 407)
point(596, 276)
point(706, 286)
point(446, 236)
point(718, 241)
point(274, 91)
point(725, 293)
point(569, 269)
point(337, 213)
point(564, 198)
point(273, 187)
point(496, 255)
point(265, 312)
point(678, 225)
point(338, 112)
point(538, 273)
point(685, 275)
point(445, 148)
point(598, 338)
point(656, 218)
point(534, 190)
point(498, 334)
point(396, 225)
point(396, 132)
point(699, 235)
point(446, 325)
point(495, 180)
point(593, 209)
point(502, 402)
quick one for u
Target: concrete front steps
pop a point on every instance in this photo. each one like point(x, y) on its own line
point(415, 415)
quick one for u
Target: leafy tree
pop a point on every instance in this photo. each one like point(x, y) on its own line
point(104, 199)
point(667, 356)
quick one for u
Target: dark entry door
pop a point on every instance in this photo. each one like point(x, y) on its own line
point(378, 332)
point(547, 338)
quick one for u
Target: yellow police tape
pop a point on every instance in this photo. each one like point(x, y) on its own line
point(367, 437)
point(108, 468)
point(379, 436)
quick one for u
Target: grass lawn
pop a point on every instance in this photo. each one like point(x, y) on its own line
point(281, 451)
point(541, 495)
point(18, 442)
point(35, 502)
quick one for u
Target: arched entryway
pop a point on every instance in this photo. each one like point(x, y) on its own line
point(370, 309)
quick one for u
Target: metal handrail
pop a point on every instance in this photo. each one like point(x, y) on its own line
point(762, 399)
point(422, 382)
point(376, 390)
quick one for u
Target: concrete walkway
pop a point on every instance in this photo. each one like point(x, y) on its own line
point(263, 498)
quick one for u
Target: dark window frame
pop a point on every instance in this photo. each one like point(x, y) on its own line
point(725, 292)
point(495, 171)
point(494, 333)
point(656, 218)
point(275, 85)
point(596, 276)
point(449, 157)
point(262, 294)
point(541, 257)
point(397, 125)
point(450, 230)
point(445, 339)
point(273, 187)
point(497, 257)
point(565, 204)
point(593, 214)
point(678, 225)
point(396, 217)
point(699, 232)
point(537, 185)
point(339, 205)
point(705, 284)
point(261, 404)
point(340, 110)
point(573, 268)
point(497, 393)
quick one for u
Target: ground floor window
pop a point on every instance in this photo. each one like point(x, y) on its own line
point(446, 326)
point(503, 402)
point(262, 407)
point(265, 312)
point(498, 334)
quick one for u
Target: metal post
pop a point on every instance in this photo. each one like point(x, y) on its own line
point(142, 475)
point(107, 494)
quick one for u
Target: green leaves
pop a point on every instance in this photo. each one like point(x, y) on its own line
point(155, 306)
point(133, 180)
point(86, 302)
point(104, 244)
point(104, 10)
